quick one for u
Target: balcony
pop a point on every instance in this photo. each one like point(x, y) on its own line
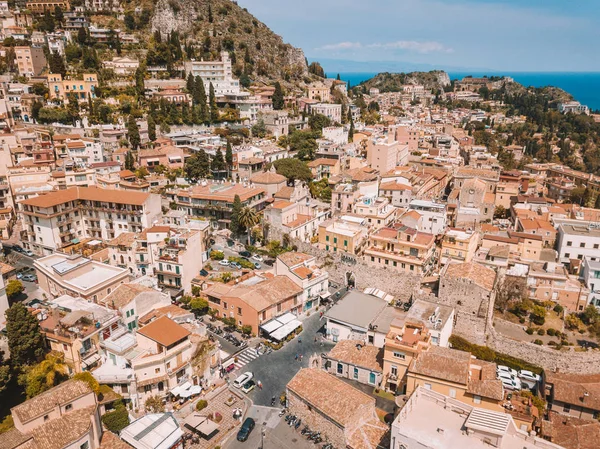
point(66, 233)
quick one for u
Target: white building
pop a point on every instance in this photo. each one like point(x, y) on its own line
point(590, 274)
point(576, 241)
point(154, 431)
point(122, 65)
point(219, 73)
point(434, 215)
point(573, 107)
point(302, 269)
point(330, 110)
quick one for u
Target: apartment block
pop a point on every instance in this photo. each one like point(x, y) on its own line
point(303, 270)
point(30, 60)
point(459, 245)
point(81, 89)
point(217, 73)
point(347, 234)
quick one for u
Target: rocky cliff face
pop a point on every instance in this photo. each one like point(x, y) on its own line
point(212, 26)
point(393, 82)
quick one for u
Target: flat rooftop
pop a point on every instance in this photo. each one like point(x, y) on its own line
point(581, 230)
point(357, 309)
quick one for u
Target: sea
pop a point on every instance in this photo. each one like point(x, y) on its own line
point(583, 86)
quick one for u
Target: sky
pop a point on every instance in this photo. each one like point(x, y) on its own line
point(496, 35)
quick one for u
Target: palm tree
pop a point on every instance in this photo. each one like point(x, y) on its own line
point(48, 373)
point(248, 219)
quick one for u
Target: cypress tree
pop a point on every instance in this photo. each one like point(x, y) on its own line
point(351, 130)
point(151, 128)
point(214, 110)
point(133, 132)
point(278, 100)
point(234, 225)
point(229, 159)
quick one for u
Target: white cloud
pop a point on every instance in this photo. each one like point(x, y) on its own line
point(414, 46)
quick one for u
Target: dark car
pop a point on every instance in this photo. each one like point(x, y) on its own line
point(246, 429)
point(245, 254)
point(18, 249)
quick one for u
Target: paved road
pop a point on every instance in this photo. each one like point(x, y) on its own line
point(276, 369)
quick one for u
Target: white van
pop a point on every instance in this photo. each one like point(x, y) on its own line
point(242, 379)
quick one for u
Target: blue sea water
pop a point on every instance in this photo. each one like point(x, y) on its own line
point(585, 87)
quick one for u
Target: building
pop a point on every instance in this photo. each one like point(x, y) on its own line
point(41, 6)
point(217, 73)
point(59, 219)
point(68, 88)
point(276, 122)
point(430, 420)
point(122, 66)
point(351, 318)
point(351, 359)
point(378, 212)
point(303, 270)
point(590, 274)
point(345, 416)
point(256, 300)
point(154, 431)
point(576, 241)
point(385, 154)
point(347, 234)
point(573, 107)
point(166, 156)
point(434, 216)
point(319, 92)
point(30, 60)
point(574, 395)
point(550, 281)
point(330, 110)
point(538, 227)
point(269, 181)
point(324, 168)
point(60, 274)
point(215, 201)
point(397, 193)
point(459, 245)
point(66, 416)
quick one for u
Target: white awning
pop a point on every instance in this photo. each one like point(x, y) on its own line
point(180, 388)
point(285, 330)
point(286, 318)
point(91, 360)
point(324, 295)
point(271, 326)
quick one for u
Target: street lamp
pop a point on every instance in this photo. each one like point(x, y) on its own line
point(262, 436)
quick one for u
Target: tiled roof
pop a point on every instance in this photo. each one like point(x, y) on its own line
point(394, 186)
point(480, 275)
point(124, 294)
point(13, 438)
point(225, 192)
point(267, 178)
point(60, 433)
point(124, 239)
point(42, 403)
point(87, 193)
point(171, 311)
point(285, 193)
point(355, 352)
point(443, 363)
point(331, 396)
point(111, 441)
point(571, 388)
point(293, 258)
point(164, 331)
point(281, 204)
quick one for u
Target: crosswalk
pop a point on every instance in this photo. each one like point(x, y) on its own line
point(245, 357)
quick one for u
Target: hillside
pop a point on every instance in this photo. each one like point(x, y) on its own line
point(393, 82)
point(208, 27)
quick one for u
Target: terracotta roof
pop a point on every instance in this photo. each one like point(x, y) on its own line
point(87, 193)
point(164, 331)
point(124, 239)
point(570, 388)
point(302, 272)
point(43, 403)
point(331, 396)
point(480, 275)
point(111, 441)
point(170, 311)
point(394, 186)
point(123, 295)
point(323, 161)
point(483, 381)
point(267, 178)
point(13, 438)
point(124, 174)
point(251, 161)
point(570, 432)
point(281, 204)
point(293, 258)
point(222, 192)
point(104, 164)
point(284, 193)
point(61, 432)
point(443, 363)
point(348, 351)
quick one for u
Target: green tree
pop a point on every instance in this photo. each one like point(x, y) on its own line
point(47, 374)
point(234, 226)
point(133, 133)
point(259, 129)
point(351, 130)
point(210, 14)
point(154, 404)
point(197, 166)
point(190, 84)
point(248, 218)
point(139, 81)
point(86, 376)
point(218, 163)
point(58, 14)
point(151, 128)
point(318, 121)
point(116, 420)
point(129, 21)
point(597, 203)
point(200, 99)
point(46, 23)
point(278, 100)
point(5, 374)
point(82, 36)
point(56, 64)
point(316, 69)
point(14, 288)
point(129, 161)
point(214, 110)
point(199, 306)
point(293, 169)
point(229, 159)
point(25, 341)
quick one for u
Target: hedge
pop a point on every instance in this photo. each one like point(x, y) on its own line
point(489, 355)
point(116, 420)
point(201, 405)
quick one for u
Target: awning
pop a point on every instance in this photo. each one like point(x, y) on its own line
point(201, 424)
point(285, 330)
point(180, 388)
point(324, 295)
point(91, 360)
point(152, 160)
point(286, 318)
point(271, 326)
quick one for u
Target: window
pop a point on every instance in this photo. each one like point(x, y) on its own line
point(452, 393)
point(427, 386)
point(224, 305)
point(567, 408)
point(335, 240)
point(394, 370)
point(239, 310)
point(569, 243)
point(68, 407)
point(372, 378)
point(340, 368)
point(567, 255)
point(582, 245)
point(65, 347)
point(156, 370)
point(596, 246)
point(477, 399)
point(85, 445)
point(147, 388)
point(326, 238)
point(46, 417)
point(355, 372)
point(399, 355)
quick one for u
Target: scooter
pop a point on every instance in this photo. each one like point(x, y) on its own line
point(282, 412)
point(273, 401)
point(305, 431)
point(297, 424)
point(317, 440)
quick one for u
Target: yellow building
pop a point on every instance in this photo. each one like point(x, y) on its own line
point(30, 60)
point(41, 6)
point(455, 374)
point(61, 89)
point(345, 235)
point(459, 245)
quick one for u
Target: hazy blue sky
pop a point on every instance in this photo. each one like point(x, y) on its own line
point(510, 35)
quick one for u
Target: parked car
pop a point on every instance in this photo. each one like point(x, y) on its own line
point(246, 429)
point(248, 386)
point(270, 262)
point(242, 379)
point(29, 277)
point(529, 378)
point(257, 257)
point(28, 253)
point(257, 266)
point(511, 384)
point(235, 265)
point(245, 253)
point(18, 249)
point(506, 369)
point(224, 263)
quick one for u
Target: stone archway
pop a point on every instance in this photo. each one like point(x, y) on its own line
point(350, 279)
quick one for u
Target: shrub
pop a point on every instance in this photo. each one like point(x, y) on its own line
point(541, 332)
point(552, 343)
point(201, 404)
point(538, 342)
point(529, 331)
point(217, 255)
point(116, 420)
point(558, 309)
point(551, 332)
point(246, 329)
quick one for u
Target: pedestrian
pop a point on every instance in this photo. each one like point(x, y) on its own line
point(299, 340)
point(301, 357)
point(296, 357)
point(315, 339)
point(259, 385)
